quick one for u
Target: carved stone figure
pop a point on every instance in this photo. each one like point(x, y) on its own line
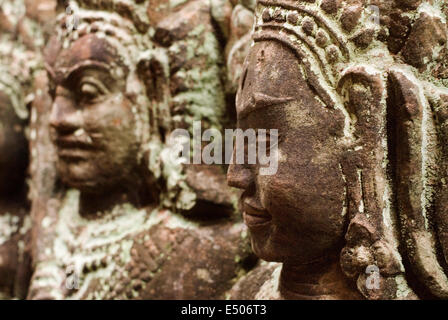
point(14, 220)
point(20, 42)
point(358, 95)
point(114, 219)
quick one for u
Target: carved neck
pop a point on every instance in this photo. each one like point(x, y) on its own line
point(93, 204)
point(321, 280)
point(136, 191)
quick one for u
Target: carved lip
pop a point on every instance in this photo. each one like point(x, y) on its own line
point(73, 154)
point(73, 143)
point(70, 148)
point(255, 215)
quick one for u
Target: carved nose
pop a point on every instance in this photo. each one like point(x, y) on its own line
point(65, 118)
point(239, 177)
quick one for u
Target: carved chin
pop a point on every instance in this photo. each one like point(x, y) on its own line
point(80, 175)
point(263, 246)
point(273, 253)
point(274, 246)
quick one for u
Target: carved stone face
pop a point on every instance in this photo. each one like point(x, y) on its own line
point(93, 120)
point(296, 215)
point(13, 147)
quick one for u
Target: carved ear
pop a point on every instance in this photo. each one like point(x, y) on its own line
point(363, 93)
point(153, 71)
point(419, 170)
point(370, 237)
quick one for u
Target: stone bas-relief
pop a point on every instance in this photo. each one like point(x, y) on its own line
point(14, 219)
point(359, 104)
point(21, 39)
point(112, 218)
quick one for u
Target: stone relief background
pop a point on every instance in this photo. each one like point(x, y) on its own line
point(92, 206)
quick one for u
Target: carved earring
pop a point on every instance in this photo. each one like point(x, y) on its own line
point(371, 256)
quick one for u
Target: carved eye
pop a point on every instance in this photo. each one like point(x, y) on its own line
point(90, 90)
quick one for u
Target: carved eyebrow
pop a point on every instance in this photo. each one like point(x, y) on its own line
point(260, 100)
point(86, 64)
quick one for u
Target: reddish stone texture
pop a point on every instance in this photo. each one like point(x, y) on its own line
point(361, 109)
point(358, 195)
point(428, 33)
